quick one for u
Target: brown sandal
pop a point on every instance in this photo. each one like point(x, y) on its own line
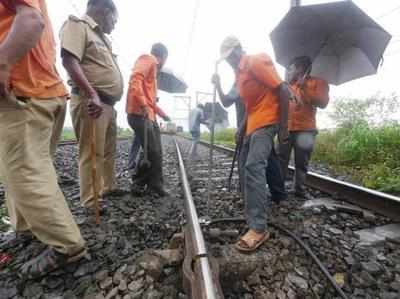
point(246, 246)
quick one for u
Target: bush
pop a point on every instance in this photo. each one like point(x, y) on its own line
point(370, 155)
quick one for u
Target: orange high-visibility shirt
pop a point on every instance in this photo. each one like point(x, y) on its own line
point(142, 92)
point(258, 81)
point(35, 75)
point(313, 94)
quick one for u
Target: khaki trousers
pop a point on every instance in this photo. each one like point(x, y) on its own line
point(34, 200)
point(106, 139)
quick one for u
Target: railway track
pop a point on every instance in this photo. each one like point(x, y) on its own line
point(380, 210)
point(372, 200)
point(137, 250)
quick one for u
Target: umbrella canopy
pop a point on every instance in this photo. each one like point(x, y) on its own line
point(343, 42)
point(168, 81)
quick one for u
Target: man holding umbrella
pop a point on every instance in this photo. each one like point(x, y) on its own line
point(142, 109)
point(343, 43)
point(266, 98)
point(312, 93)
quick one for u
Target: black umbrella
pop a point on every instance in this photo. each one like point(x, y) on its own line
point(343, 42)
point(169, 82)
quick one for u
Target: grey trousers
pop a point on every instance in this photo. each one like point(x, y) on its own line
point(193, 148)
point(302, 142)
point(257, 149)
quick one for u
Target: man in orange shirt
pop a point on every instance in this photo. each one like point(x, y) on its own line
point(32, 111)
point(266, 98)
point(142, 109)
point(312, 93)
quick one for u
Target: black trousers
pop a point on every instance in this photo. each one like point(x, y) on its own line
point(153, 176)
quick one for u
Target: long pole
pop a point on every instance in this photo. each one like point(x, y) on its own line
point(94, 173)
point(212, 129)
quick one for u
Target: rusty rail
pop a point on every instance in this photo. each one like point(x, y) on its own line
point(378, 202)
point(201, 282)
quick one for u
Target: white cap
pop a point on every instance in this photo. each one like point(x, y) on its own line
point(228, 45)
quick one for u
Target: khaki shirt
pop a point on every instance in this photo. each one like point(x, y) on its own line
point(84, 39)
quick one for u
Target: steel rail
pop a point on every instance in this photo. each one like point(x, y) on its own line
point(379, 202)
point(200, 255)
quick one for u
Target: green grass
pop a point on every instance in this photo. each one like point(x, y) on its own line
point(369, 155)
point(68, 134)
point(224, 137)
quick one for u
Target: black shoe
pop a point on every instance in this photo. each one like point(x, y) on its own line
point(138, 190)
point(278, 200)
point(300, 194)
point(158, 191)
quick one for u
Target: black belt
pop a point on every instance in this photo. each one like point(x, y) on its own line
point(104, 98)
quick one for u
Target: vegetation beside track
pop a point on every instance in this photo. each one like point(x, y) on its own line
point(365, 144)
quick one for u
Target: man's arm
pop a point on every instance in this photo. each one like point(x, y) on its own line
point(24, 34)
point(227, 100)
point(161, 113)
point(285, 95)
point(136, 92)
point(74, 69)
point(318, 95)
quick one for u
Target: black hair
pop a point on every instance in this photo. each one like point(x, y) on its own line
point(159, 50)
point(106, 3)
point(304, 62)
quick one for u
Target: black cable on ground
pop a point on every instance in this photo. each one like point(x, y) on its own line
point(301, 243)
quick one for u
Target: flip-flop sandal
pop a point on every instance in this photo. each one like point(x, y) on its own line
point(49, 261)
point(243, 246)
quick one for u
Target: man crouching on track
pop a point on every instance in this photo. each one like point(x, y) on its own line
point(97, 84)
point(266, 99)
point(142, 109)
point(32, 112)
point(313, 93)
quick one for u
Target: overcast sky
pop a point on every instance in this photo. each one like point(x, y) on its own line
point(194, 29)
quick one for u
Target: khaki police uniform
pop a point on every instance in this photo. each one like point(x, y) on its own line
point(83, 38)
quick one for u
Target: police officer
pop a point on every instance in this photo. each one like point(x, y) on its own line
point(97, 84)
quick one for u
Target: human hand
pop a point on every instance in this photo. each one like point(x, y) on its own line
point(145, 112)
point(4, 81)
point(95, 107)
point(283, 136)
point(216, 80)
